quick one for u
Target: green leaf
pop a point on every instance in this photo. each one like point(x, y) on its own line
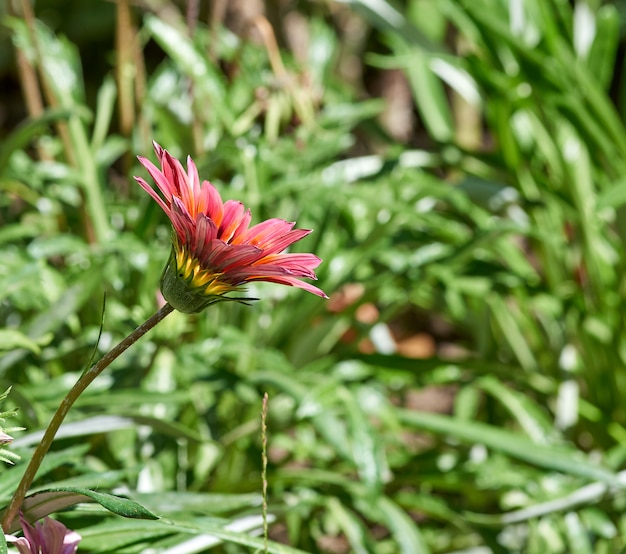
point(403, 528)
point(209, 82)
point(11, 339)
point(207, 503)
point(108, 423)
point(577, 535)
point(46, 502)
point(235, 537)
point(430, 97)
point(367, 450)
point(601, 59)
point(350, 524)
point(561, 458)
point(114, 534)
point(614, 196)
point(586, 495)
point(528, 414)
point(123, 533)
point(385, 16)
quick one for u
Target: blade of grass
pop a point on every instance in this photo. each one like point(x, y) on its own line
point(556, 458)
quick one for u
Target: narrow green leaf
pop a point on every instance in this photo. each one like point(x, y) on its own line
point(367, 452)
point(104, 113)
point(350, 524)
point(402, 527)
point(564, 459)
point(46, 502)
point(528, 414)
point(430, 97)
point(105, 480)
point(385, 16)
point(209, 503)
point(233, 537)
point(577, 535)
point(113, 534)
point(60, 61)
point(601, 59)
point(108, 423)
point(210, 83)
point(587, 495)
point(614, 196)
point(124, 532)
point(511, 330)
point(11, 339)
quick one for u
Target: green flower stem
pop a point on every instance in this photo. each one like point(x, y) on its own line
point(83, 382)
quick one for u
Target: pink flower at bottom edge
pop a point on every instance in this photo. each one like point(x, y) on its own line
point(45, 537)
point(214, 249)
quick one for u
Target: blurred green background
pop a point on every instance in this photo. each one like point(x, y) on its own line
point(463, 165)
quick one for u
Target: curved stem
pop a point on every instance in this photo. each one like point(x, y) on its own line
point(83, 382)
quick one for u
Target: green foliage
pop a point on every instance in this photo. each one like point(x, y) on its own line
point(496, 230)
point(7, 456)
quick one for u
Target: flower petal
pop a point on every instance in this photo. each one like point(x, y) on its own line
point(176, 175)
point(182, 222)
point(278, 243)
point(166, 188)
point(193, 178)
point(309, 261)
point(21, 543)
point(210, 203)
point(233, 215)
point(204, 233)
point(294, 282)
point(265, 231)
point(224, 256)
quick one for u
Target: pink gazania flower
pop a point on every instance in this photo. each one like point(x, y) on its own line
point(214, 249)
point(45, 537)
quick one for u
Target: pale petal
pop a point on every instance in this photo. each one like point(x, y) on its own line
point(21, 543)
point(70, 542)
point(158, 149)
point(194, 178)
